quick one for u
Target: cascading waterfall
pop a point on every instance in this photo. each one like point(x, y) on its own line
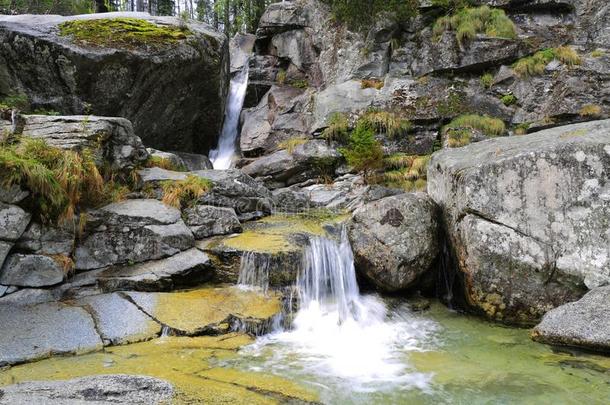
point(222, 157)
point(339, 333)
point(254, 271)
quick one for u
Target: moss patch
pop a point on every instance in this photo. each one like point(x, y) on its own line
point(126, 33)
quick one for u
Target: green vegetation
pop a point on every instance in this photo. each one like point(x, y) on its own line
point(590, 111)
point(522, 128)
point(60, 181)
point(18, 101)
point(508, 99)
point(459, 131)
point(406, 171)
point(385, 122)
point(487, 80)
point(62, 7)
point(363, 153)
point(184, 193)
point(122, 33)
point(598, 53)
point(360, 14)
point(299, 83)
point(164, 163)
point(452, 105)
point(534, 65)
point(371, 84)
point(338, 128)
point(281, 76)
point(291, 144)
point(468, 22)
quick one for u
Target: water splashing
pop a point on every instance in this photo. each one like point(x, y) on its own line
point(222, 157)
point(254, 271)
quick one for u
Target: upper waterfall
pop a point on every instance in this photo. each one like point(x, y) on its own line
point(222, 157)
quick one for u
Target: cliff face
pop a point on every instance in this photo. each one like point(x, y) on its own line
point(84, 65)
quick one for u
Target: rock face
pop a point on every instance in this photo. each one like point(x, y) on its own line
point(182, 111)
point(528, 217)
point(395, 240)
point(584, 323)
point(206, 220)
point(101, 390)
point(31, 271)
point(132, 231)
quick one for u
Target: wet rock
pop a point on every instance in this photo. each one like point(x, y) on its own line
point(132, 231)
point(395, 240)
point(47, 239)
point(35, 332)
point(194, 161)
point(240, 47)
point(527, 217)
point(31, 271)
point(173, 158)
point(206, 220)
point(101, 390)
point(210, 311)
point(61, 74)
point(118, 321)
point(111, 140)
point(13, 222)
point(584, 323)
point(187, 268)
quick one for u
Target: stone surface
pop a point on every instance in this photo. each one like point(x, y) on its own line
point(181, 111)
point(27, 296)
point(5, 247)
point(111, 140)
point(35, 332)
point(132, 231)
point(240, 48)
point(195, 161)
point(13, 194)
point(206, 220)
point(98, 390)
point(13, 221)
point(584, 323)
point(210, 311)
point(183, 269)
point(31, 271)
point(118, 321)
point(528, 217)
point(47, 239)
point(395, 240)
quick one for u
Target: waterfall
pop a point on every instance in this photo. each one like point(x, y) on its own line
point(254, 271)
point(222, 156)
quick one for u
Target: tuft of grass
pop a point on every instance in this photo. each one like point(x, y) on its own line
point(508, 99)
point(164, 163)
point(281, 76)
point(300, 83)
point(534, 65)
point(123, 32)
point(184, 193)
point(590, 111)
point(291, 144)
point(385, 122)
point(598, 53)
point(371, 84)
point(406, 171)
point(467, 22)
point(459, 130)
point(521, 129)
point(487, 80)
point(338, 128)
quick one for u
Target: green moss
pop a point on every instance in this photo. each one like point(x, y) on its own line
point(508, 99)
point(122, 33)
point(468, 22)
point(487, 80)
point(459, 130)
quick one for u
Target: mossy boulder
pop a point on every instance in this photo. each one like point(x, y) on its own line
point(167, 76)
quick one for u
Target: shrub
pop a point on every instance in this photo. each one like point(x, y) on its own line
point(508, 99)
point(385, 122)
point(487, 80)
point(363, 153)
point(371, 84)
point(590, 110)
point(291, 144)
point(468, 22)
point(183, 193)
point(534, 65)
point(459, 131)
point(18, 101)
point(338, 128)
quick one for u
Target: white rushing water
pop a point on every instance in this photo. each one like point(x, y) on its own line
point(222, 157)
point(342, 335)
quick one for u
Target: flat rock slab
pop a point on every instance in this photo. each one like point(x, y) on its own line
point(187, 268)
point(98, 390)
point(118, 320)
point(35, 332)
point(210, 311)
point(584, 323)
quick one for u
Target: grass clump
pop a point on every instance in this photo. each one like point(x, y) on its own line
point(598, 53)
point(60, 181)
point(338, 128)
point(385, 122)
point(508, 99)
point(164, 163)
point(371, 84)
point(186, 192)
point(468, 22)
point(291, 144)
point(281, 76)
point(459, 131)
point(534, 65)
point(590, 111)
point(363, 152)
point(122, 32)
point(487, 80)
point(407, 172)
point(522, 128)
point(299, 83)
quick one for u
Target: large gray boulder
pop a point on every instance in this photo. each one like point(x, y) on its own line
point(132, 231)
point(31, 271)
point(584, 323)
point(527, 218)
point(47, 239)
point(98, 390)
point(13, 222)
point(395, 240)
point(178, 111)
point(206, 220)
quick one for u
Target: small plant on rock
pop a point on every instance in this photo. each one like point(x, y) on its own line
point(186, 192)
point(371, 84)
point(590, 111)
point(508, 99)
point(522, 128)
point(406, 171)
point(363, 153)
point(291, 144)
point(598, 53)
point(338, 128)
point(459, 131)
point(487, 80)
point(385, 122)
point(534, 65)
